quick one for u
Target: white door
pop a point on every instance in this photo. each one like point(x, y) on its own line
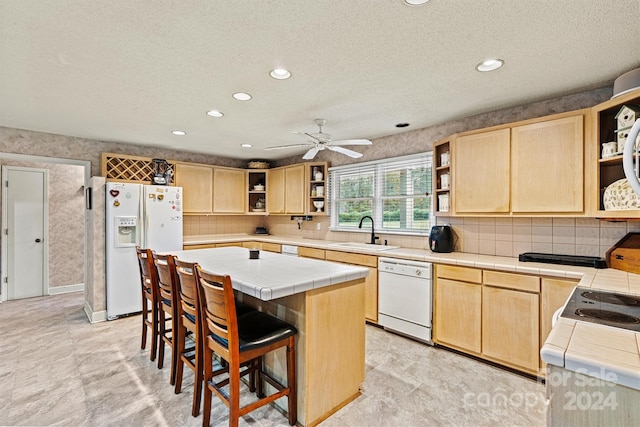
point(25, 233)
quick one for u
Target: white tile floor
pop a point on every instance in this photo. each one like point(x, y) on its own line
point(57, 369)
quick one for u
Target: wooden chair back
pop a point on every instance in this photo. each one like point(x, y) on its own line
point(217, 305)
point(147, 271)
point(188, 290)
point(167, 280)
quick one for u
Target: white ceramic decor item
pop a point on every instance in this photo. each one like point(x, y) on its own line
point(627, 157)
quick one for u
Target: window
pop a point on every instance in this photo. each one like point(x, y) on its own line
point(392, 191)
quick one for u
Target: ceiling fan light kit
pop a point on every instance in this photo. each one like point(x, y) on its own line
point(320, 141)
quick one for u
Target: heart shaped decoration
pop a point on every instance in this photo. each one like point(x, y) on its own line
point(114, 193)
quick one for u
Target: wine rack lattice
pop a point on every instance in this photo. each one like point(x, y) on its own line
point(120, 167)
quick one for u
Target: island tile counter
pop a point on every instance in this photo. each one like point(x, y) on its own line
point(323, 300)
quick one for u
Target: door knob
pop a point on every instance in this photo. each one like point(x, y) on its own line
point(38, 240)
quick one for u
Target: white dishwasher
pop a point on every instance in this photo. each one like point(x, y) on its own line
point(405, 297)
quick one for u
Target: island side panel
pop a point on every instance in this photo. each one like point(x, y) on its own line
point(335, 348)
point(291, 309)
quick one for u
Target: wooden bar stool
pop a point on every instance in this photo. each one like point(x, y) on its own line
point(169, 301)
point(240, 340)
point(188, 322)
point(150, 297)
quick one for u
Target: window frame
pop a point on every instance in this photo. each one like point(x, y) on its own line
point(379, 167)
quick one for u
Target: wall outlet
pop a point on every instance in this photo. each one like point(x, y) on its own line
point(318, 226)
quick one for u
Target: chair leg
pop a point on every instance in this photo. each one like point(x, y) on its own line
point(208, 395)
point(252, 376)
point(197, 377)
point(179, 349)
point(258, 375)
point(161, 333)
point(234, 394)
point(145, 315)
point(291, 382)
point(154, 333)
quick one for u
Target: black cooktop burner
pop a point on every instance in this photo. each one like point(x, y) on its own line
point(610, 316)
point(611, 298)
point(604, 307)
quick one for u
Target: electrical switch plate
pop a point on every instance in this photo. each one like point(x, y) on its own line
point(318, 226)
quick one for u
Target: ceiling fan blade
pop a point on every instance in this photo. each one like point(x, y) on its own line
point(279, 147)
point(345, 151)
point(311, 153)
point(351, 142)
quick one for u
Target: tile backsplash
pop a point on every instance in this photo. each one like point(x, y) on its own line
point(512, 236)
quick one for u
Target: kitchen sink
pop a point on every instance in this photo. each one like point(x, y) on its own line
point(366, 246)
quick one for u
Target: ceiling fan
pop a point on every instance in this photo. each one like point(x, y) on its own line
point(319, 141)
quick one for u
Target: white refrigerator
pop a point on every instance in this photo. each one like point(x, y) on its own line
point(149, 216)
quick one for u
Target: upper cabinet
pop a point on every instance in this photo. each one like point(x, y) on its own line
point(317, 188)
point(534, 167)
point(197, 181)
point(608, 144)
point(547, 166)
point(285, 190)
point(481, 172)
point(442, 181)
point(228, 190)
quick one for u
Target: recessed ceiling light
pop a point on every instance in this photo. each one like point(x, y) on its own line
point(241, 96)
point(489, 65)
point(214, 113)
point(402, 125)
point(178, 132)
point(280, 74)
point(246, 145)
point(415, 2)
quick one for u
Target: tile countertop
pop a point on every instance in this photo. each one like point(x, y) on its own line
point(603, 352)
point(263, 278)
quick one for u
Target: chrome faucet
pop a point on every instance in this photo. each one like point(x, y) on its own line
point(373, 236)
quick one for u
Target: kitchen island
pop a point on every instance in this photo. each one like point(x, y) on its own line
point(325, 302)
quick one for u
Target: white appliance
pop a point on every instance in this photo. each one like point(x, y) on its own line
point(289, 250)
point(405, 297)
point(149, 216)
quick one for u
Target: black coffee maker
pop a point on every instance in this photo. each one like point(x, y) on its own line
point(441, 238)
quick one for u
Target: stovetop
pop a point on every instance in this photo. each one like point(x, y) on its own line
point(604, 307)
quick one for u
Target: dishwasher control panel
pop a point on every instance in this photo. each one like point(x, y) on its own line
point(405, 268)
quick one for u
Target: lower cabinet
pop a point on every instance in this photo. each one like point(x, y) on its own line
point(510, 328)
point(502, 317)
point(371, 284)
point(457, 308)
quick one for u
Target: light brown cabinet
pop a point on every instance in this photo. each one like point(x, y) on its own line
point(547, 166)
point(511, 322)
point(555, 293)
point(306, 252)
point(498, 316)
point(533, 167)
point(371, 284)
point(286, 190)
point(197, 183)
point(228, 190)
point(457, 316)
point(481, 168)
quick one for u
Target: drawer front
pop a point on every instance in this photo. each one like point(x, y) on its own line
point(271, 247)
point(512, 281)
point(311, 252)
point(463, 274)
point(350, 258)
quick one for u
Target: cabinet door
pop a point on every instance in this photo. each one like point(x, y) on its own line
point(197, 184)
point(547, 166)
point(294, 189)
point(481, 172)
point(228, 190)
point(457, 314)
point(555, 293)
point(510, 327)
point(275, 191)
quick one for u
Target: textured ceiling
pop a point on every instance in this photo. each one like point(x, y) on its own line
point(132, 71)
